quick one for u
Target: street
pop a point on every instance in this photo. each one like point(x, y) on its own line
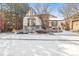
point(59, 44)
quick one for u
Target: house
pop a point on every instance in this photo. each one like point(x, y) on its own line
point(45, 21)
point(72, 22)
point(31, 20)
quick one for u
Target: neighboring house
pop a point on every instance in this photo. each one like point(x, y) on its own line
point(44, 21)
point(73, 22)
point(55, 22)
point(37, 20)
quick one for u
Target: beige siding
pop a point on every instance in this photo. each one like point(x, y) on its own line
point(76, 25)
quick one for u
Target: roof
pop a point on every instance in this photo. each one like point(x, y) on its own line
point(48, 15)
point(59, 19)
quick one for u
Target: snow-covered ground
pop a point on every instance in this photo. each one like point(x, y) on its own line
point(65, 35)
point(58, 44)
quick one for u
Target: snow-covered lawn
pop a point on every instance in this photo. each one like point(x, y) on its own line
point(39, 44)
point(38, 48)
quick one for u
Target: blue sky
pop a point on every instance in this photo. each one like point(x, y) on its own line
point(54, 6)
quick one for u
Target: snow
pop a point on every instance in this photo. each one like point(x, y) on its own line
point(52, 18)
point(43, 45)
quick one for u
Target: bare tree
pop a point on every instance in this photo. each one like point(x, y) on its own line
point(43, 9)
point(67, 10)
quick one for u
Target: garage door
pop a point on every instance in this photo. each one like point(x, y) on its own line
point(76, 25)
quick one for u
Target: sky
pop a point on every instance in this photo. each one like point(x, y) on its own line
point(55, 7)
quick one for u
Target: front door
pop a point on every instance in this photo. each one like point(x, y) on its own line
point(31, 24)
